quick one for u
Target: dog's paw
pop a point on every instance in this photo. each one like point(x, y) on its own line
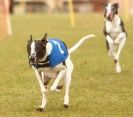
point(55, 89)
point(118, 68)
point(40, 109)
point(65, 105)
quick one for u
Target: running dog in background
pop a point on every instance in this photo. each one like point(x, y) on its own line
point(114, 32)
point(54, 5)
point(50, 58)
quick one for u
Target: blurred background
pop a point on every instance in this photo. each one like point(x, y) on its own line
point(52, 6)
point(20, 7)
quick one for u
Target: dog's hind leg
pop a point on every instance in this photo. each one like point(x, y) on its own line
point(43, 90)
point(68, 82)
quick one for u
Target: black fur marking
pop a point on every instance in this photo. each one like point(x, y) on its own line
point(115, 7)
point(115, 61)
point(123, 27)
point(46, 83)
point(64, 63)
point(107, 45)
point(59, 87)
point(105, 33)
point(40, 49)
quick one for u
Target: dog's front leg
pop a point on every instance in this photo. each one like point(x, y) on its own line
point(43, 90)
point(120, 37)
point(121, 40)
point(111, 51)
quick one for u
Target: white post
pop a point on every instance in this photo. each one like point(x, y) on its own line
point(71, 12)
point(7, 14)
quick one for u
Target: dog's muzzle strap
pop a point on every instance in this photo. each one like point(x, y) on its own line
point(37, 66)
point(42, 64)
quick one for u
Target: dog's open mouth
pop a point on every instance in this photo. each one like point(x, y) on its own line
point(109, 18)
point(35, 62)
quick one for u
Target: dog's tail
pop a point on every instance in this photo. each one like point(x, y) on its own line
point(72, 49)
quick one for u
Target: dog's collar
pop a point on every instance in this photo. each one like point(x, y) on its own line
point(37, 66)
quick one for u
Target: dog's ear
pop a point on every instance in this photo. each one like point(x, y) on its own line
point(104, 3)
point(44, 39)
point(116, 5)
point(30, 39)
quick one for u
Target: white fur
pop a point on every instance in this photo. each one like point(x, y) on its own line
point(33, 48)
point(64, 71)
point(108, 8)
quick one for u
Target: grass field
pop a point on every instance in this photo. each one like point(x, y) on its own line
point(96, 90)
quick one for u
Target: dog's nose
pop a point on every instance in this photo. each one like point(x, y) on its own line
point(32, 58)
point(109, 16)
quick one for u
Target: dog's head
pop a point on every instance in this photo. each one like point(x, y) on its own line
point(110, 10)
point(36, 49)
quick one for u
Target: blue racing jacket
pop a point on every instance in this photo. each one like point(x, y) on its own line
point(59, 52)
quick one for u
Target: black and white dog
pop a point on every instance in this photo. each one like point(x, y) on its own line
point(50, 58)
point(114, 32)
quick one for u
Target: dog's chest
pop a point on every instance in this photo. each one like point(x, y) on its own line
point(51, 73)
point(113, 28)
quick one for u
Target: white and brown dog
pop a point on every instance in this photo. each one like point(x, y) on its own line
point(114, 32)
point(50, 58)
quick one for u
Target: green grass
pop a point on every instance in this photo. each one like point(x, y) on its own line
point(96, 90)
